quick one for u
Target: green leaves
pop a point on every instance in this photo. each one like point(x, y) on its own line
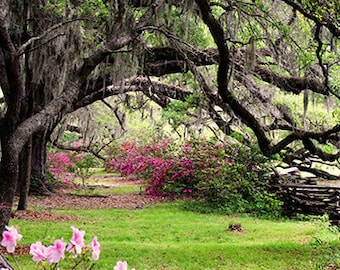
point(178, 112)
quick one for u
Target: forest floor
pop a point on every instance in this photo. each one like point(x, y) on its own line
point(63, 198)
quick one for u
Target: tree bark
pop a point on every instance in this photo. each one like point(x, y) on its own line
point(39, 184)
point(9, 172)
point(25, 174)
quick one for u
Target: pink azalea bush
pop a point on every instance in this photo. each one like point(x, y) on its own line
point(95, 246)
point(77, 241)
point(122, 266)
point(60, 165)
point(39, 252)
point(50, 257)
point(64, 164)
point(169, 173)
point(222, 175)
point(55, 252)
point(131, 160)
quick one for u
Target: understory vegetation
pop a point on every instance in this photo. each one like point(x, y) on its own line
point(220, 176)
point(212, 176)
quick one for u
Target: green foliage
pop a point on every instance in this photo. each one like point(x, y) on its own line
point(57, 8)
point(336, 115)
point(323, 9)
point(237, 186)
point(52, 181)
point(318, 115)
point(179, 112)
point(225, 177)
point(189, 28)
point(95, 8)
point(83, 164)
point(70, 137)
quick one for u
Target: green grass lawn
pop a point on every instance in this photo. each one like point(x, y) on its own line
point(165, 237)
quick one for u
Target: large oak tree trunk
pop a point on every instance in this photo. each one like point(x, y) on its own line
point(32, 178)
point(25, 174)
point(39, 184)
point(9, 172)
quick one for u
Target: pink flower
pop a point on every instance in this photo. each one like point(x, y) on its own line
point(77, 241)
point(9, 239)
point(121, 266)
point(56, 252)
point(95, 246)
point(38, 251)
point(77, 144)
point(186, 147)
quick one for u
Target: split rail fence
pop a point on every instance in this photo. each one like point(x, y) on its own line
point(312, 200)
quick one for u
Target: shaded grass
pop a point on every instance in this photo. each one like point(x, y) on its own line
point(166, 237)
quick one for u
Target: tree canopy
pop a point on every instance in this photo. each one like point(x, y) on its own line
point(256, 63)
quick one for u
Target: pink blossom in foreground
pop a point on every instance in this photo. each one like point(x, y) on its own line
point(77, 241)
point(38, 251)
point(121, 266)
point(56, 252)
point(95, 247)
point(9, 239)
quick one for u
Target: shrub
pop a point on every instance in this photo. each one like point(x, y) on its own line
point(61, 164)
point(224, 176)
point(82, 164)
point(131, 160)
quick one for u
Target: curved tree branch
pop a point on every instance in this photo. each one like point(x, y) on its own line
point(78, 149)
point(223, 77)
point(167, 60)
point(323, 21)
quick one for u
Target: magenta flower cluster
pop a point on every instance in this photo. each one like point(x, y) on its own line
point(170, 171)
point(63, 165)
point(60, 165)
point(132, 160)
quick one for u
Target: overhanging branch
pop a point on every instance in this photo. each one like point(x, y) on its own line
point(78, 149)
point(323, 21)
point(167, 60)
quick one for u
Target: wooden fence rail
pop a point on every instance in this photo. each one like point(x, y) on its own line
point(312, 200)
